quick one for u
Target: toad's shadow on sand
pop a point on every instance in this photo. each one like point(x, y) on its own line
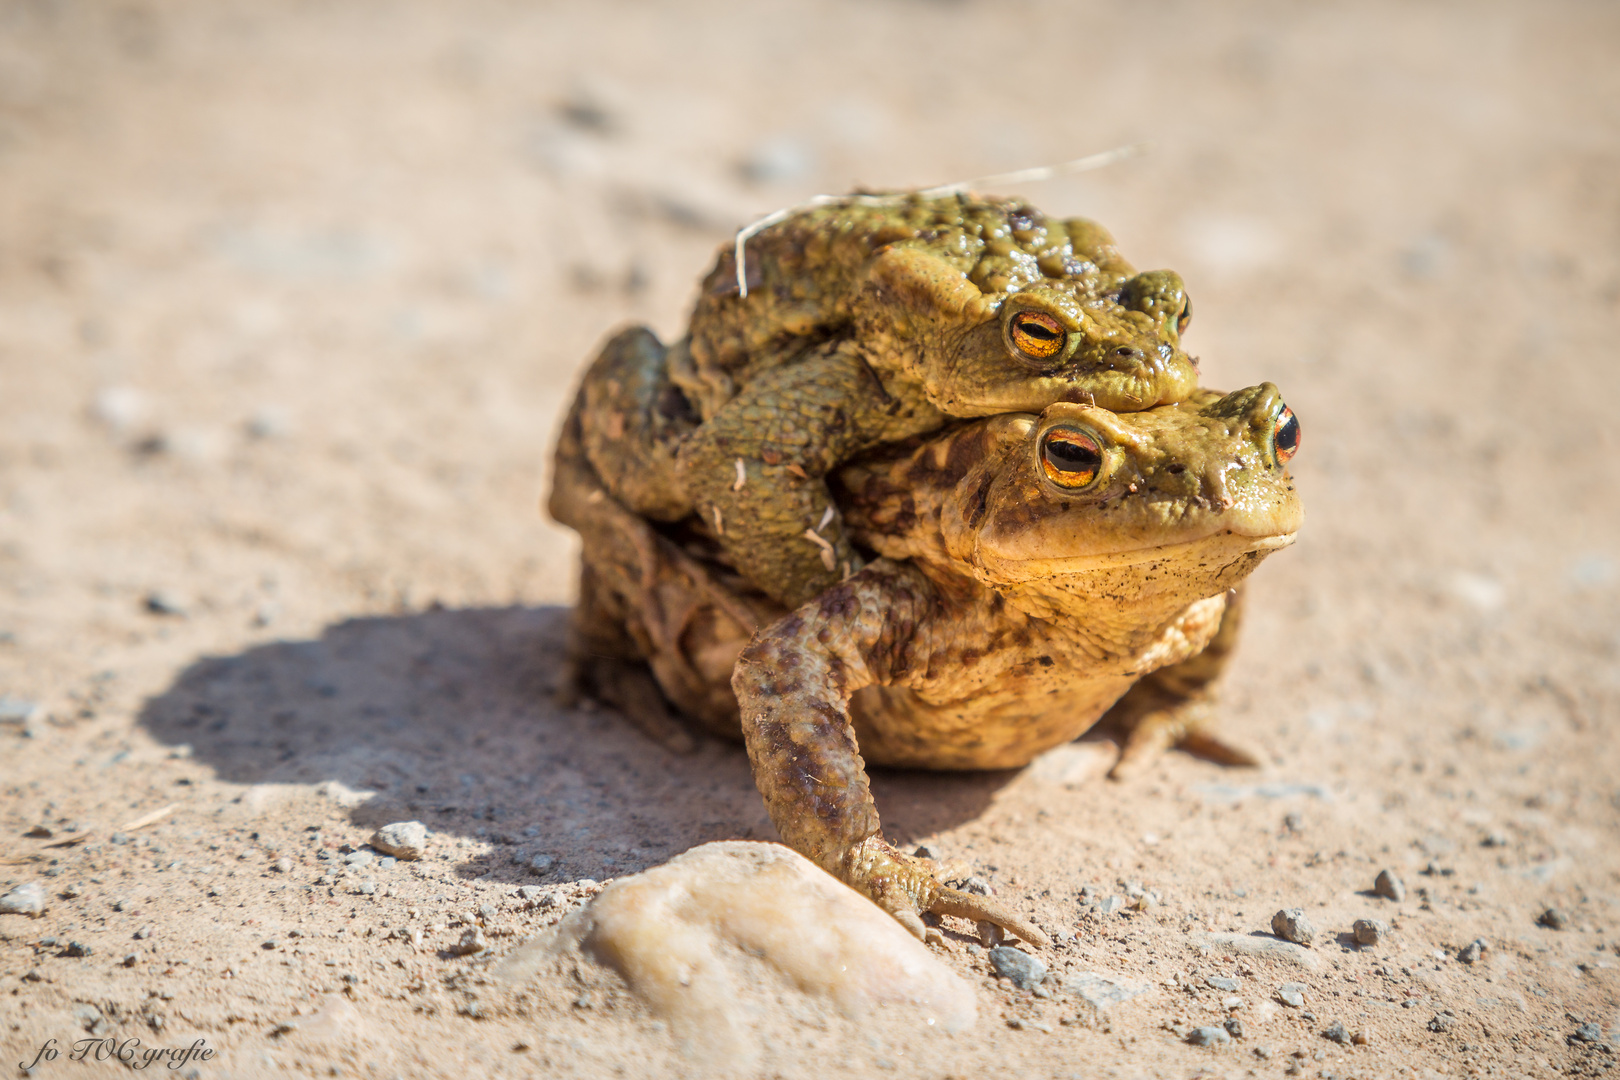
point(451, 717)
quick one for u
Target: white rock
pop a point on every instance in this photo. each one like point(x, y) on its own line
point(26, 899)
point(716, 939)
point(402, 839)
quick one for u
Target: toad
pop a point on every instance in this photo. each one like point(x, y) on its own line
point(867, 322)
point(1028, 573)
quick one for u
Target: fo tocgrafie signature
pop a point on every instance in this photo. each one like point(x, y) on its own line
point(128, 1051)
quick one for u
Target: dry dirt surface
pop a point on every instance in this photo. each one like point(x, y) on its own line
point(292, 297)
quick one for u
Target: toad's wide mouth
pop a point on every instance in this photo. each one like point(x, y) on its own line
point(1205, 550)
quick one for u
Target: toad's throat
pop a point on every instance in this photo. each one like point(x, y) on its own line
point(1211, 549)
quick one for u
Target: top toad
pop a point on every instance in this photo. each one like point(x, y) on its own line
point(865, 323)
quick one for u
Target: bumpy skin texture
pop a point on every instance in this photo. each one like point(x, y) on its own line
point(869, 324)
point(1005, 612)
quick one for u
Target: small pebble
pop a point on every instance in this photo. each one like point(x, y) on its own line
point(1553, 919)
point(163, 602)
point(283, 865)
point(1471, 953)
point(977, 886)
point(1234, 1027)
point(123, 903)
point(990, 935)
point(402, 839)
point(1591, 1033)
point(1389, 886)
point(1111, 905)
point(1369, 931)
point(25, 899)
point(1221, 982)
point(924, 851)
point(1209, 1036)
point(270, 944)
point(488, 912)
point(72, 891)
point(131, 960)
point(1294, 821)
point(77, 948)
point(541, 864)
point(1361, 1038)
point(1290, 924)
point(1024, 970)
point(358, 860)
point(1292, 995)
point(471, 942)
point(1336, 1031)
point(143, 933)
point(531, 893)
point(1495, 839)
point(1442, 1023)
point(366, 888)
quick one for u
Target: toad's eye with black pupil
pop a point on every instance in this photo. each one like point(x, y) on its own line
point(1036, 335)
point(1185, 317)
point(1070, 458)
point(1285, 437)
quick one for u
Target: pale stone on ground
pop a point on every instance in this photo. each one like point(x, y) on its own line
point(707, 939)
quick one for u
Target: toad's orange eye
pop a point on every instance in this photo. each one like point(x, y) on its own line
point(1285, 436)
point(1071, 458)
point(1185, 318)
point(1036, 335)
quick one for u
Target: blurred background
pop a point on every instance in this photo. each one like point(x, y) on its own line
point(293, 295)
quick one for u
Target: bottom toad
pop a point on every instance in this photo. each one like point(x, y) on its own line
point(1028, 574)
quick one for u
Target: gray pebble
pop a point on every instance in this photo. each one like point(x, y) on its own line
point(77, 948)
point(541, 864)
point(163, 602)
point(72, 891)
point(1111, 905)
point(325, 879)
point(1024, 970)
point(366, 888)
point(402, 839)
point(1209, 1036)
point(1294, 821)
point(1442, 1023)
point(25, 899)
point(387, 862)
point(123, 903)
point(1221, 982)
point(1369, 931)
point(1389, 886)
point(1495, 839)
point(471, 942)
point(143, 933)
point(358, 860)
point(1591, 1033)
point(1553, 919)
point(269, 944)
point(1292, 995)
point(1471, 952)
point(283, 865)
point(1234, 1027)
point(1290, 924)
point(488, 912)
point(977, 886)
point(1336, 1032)
point(531, 893)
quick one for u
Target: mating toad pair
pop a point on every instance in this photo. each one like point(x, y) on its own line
point(929, 483)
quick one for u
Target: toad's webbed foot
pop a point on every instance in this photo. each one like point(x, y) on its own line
point(1185, 726)
point(905, 886)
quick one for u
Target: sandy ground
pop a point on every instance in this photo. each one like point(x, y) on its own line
point(293, 295)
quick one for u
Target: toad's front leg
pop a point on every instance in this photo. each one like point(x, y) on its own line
point(794, 683)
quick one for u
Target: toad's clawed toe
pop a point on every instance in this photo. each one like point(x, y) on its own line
point(965, 905)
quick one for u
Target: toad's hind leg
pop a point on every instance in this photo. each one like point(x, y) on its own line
point(604, 663)
point(1175, 707)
